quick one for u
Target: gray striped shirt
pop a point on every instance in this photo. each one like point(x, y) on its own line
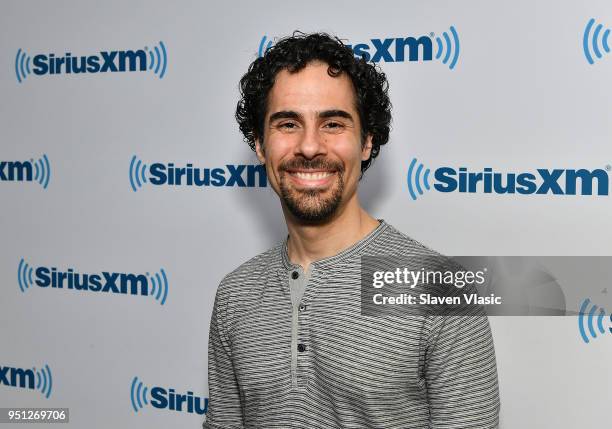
point(321, 364)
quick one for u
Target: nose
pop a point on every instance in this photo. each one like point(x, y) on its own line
point(311, 143)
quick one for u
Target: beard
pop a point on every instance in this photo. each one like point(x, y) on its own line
point(312, 206)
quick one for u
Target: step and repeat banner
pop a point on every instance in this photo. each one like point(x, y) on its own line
point(127, 192)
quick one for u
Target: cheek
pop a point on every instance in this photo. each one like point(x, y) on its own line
point(278, 150)
point(274, 157)
point(351, 157)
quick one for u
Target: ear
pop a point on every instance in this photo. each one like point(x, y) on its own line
point(366, 151)
point(259, 150)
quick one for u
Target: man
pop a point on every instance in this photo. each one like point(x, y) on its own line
point(288, 346)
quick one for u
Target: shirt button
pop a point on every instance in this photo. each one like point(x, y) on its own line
point(301, 347)
point(302, 307)
point(295, 275)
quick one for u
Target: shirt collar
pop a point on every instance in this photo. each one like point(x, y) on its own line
point(339, 257)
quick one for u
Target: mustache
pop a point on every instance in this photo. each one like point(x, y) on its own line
point(311, 164)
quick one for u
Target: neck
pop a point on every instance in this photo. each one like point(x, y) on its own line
point(308, 243)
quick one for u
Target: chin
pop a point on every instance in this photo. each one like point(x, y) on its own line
point(317, 210)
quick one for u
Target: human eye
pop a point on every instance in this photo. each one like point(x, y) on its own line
point(333, 125)
point(287, 125)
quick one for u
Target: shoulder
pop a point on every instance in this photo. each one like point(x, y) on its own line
point(394, 242)
point(394, 248)
point(239, 289)
point(250, 273)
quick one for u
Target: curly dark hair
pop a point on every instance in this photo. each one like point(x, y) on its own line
point(293, 53)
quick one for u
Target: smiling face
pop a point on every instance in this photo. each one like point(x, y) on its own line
point(312, 142)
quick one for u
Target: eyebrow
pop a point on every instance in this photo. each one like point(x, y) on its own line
point(290, 114)
point(284, 114)
point(335, 113)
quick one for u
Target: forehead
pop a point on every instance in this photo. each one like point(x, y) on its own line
point(310, 90)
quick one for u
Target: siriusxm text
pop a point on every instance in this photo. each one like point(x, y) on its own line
point(105, 61)
point(169, 399)
point(16, 171)
point(543, 181)
point(17, 377)
point(232, 175)
point(124, 283)
point(395, 49)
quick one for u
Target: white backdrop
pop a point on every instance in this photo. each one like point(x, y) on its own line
point(521, 96)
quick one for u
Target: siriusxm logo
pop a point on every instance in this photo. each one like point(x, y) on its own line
point(540, 182)
point(594, 40)
point(26, 171)
point(444, 48)
point(34, 379)
point(165, 398)
point(154, 60)
point(155, 285)
point(591, 313)
point(159, 174)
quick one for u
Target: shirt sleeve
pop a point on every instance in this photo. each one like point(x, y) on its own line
point(224, 404)
point(461, 373)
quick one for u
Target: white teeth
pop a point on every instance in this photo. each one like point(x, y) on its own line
point(312, 176)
